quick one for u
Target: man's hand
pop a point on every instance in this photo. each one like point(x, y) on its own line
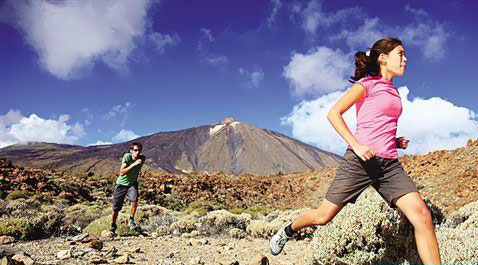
point(364, 152)
point(402, 142)
point(137, 162)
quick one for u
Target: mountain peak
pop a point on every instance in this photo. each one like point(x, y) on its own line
point(227, 121)
point(224, 123)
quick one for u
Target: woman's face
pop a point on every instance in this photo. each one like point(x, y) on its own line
point(395, 61)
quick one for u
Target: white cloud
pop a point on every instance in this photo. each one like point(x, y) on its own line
point(428, 35)
point(309, 122)
point(12, 117)
point(430, 124)
point(271, 19)
point(313, 16)
point(216, 60)
point(254, 78)
point(124, 135)
point(15, 129)
point(435, 123)
point(320, 71)
point(206, 34)
point(88, 114)
point(120, 110)
point(78, 129)
point(161, 41)
point(71, 36)
point(99, 142)
point(365, 36)
point(204, 52)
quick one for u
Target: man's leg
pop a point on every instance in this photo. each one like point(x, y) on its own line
point(418, 214)
point(133, 197)
point(114, 216)
point(113, 226)
point(119, 193)
point(132, 210)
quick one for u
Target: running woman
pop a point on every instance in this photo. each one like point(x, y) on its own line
point(371, 158)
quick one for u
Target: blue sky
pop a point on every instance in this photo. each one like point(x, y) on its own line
point(89, 72)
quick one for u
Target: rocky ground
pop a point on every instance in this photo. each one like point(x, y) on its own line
point(185, 217)
point(164, 250)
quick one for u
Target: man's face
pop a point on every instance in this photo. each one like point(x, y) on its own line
point(135, 151)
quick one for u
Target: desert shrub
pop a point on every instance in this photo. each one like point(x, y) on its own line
point(143, 214)
point(49, 223)
point(19, 228)
point(146, 212)
point(3, 207)
point(17, 194)
point(185, 224)
point(237, 233)
point(202, 207)
point(40, 226)
point(22, 208)
point(270, 224)
point(465, 217)
point(221, 221)
point(81, 215)
point(255, 212)
point(458, 246)
point(170, 201)
point(155, 217)
point(103, 223)
point(42, 198)
point(458, 237)
point(367, 232)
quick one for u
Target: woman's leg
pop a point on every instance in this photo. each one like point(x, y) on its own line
point(320, 216)
point(418, 214)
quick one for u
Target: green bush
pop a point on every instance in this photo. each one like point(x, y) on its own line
point(103, 223)
point(81, 215)
point(143, 215)
point(19, 228)
point(170, 201)
point(40, 226)
point(17, 194)
point(203, 207)
point(42, 198)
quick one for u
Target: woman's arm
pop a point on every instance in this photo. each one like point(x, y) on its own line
point(355, 93)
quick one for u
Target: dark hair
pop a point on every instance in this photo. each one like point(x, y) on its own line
point(138, 144)
point(368, 65)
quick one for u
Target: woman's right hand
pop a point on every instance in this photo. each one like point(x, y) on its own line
point(363, 151)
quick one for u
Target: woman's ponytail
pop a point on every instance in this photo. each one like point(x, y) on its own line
point(362, 62)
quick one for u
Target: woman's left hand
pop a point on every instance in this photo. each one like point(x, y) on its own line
point(402, 142)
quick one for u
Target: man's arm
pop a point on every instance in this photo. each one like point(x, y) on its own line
point(125, 168)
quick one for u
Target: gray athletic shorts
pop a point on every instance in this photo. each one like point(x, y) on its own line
point(354, 175)
point(121, 191)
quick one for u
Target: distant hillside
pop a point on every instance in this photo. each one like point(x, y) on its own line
point(229, 146)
